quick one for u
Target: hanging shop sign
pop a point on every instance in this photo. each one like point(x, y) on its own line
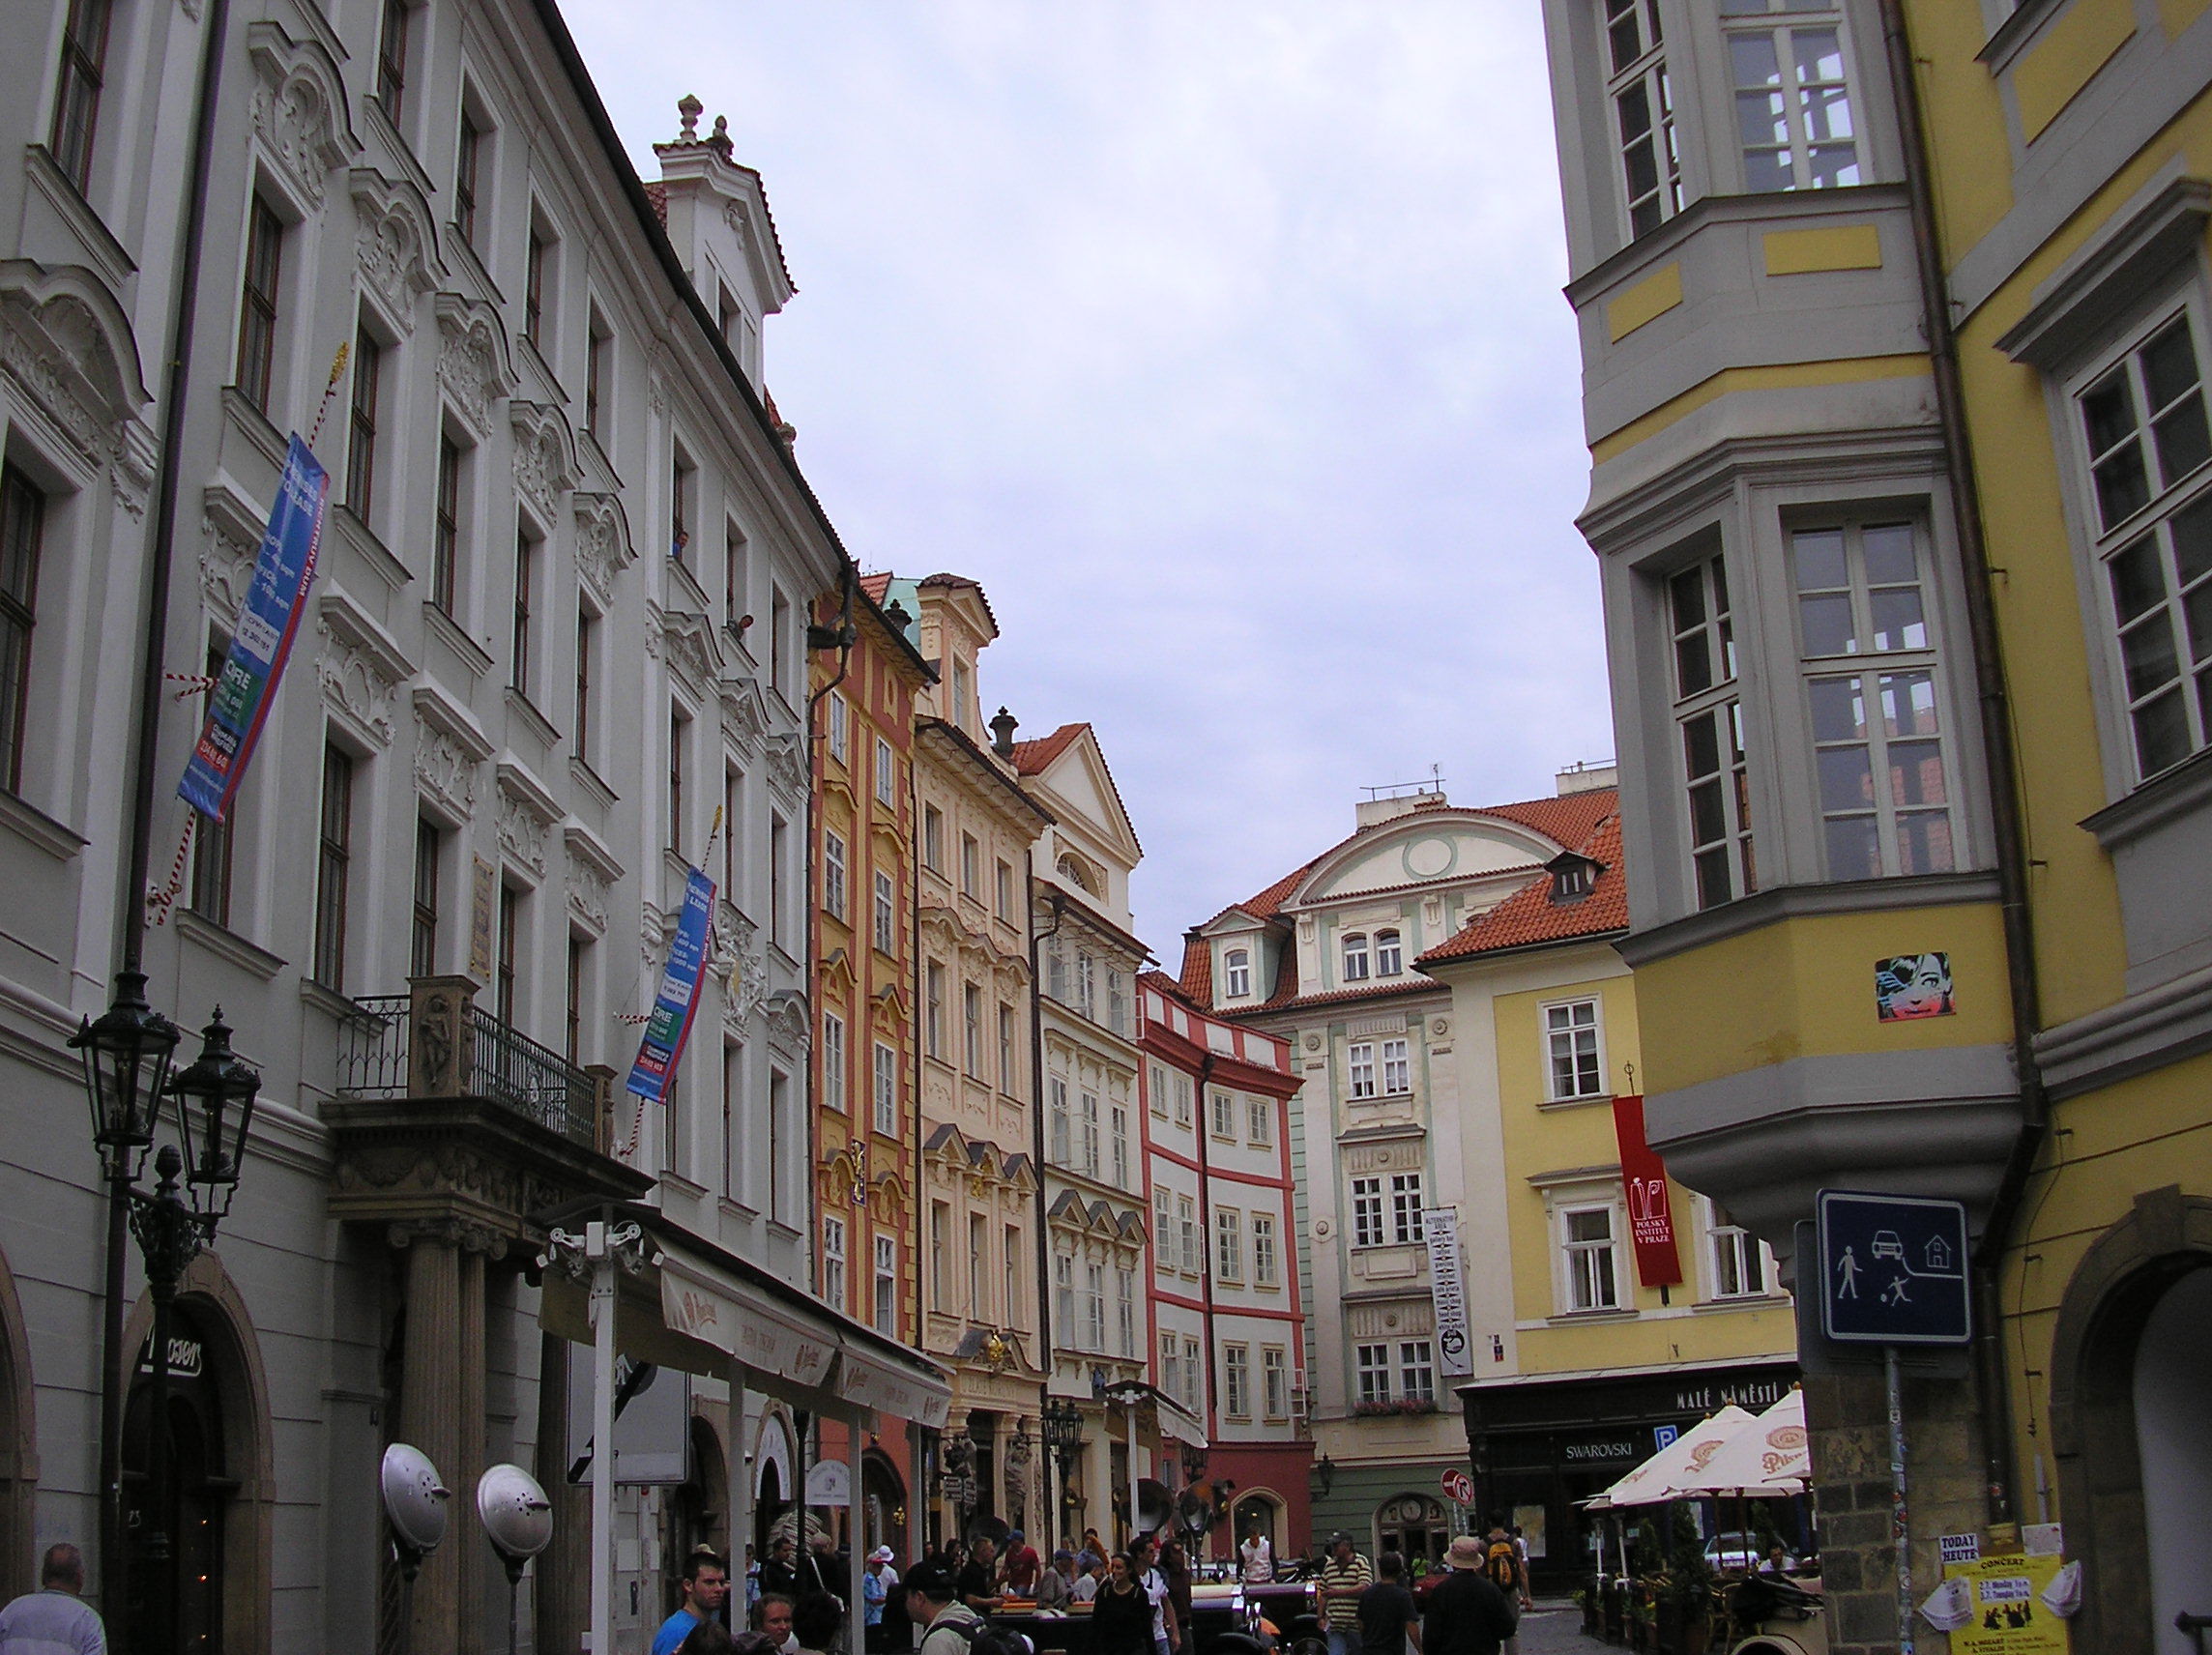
point(672, 1007)
point(1651, 1209)
point(1454, 1355)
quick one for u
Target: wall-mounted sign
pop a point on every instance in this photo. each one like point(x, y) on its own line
point(1651, 1209)
point(484, 885)
point(1618, 1449)
point(1910, 986)
point(1440, 1225)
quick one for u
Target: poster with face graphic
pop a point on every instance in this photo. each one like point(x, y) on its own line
point(1912, 985)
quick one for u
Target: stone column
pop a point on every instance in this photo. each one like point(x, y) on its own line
point(465, 1534)
point(430, 1416)
point(564, 1569)
point(737, 1445)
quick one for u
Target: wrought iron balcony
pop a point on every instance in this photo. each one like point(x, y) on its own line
point(436, 1041)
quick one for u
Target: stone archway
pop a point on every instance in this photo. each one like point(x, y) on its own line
point(18, 1444)
point(2095, 1432)
point(239, 1384)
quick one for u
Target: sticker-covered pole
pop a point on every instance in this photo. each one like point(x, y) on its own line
point(1897, 1509)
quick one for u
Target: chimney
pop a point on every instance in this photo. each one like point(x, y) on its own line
point(1372, 812)
point(1588, 776)
point(1003, 729)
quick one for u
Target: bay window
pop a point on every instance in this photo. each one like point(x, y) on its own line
point(1642, 101)
point(1716, 777)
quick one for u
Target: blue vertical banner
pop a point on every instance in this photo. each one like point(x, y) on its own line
point(268, 622)
point(673, 1006)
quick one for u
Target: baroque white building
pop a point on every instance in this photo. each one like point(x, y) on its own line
point(557, 635)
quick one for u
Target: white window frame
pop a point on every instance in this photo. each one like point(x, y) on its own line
point(1738, 1265)
point(1640, 73)
point(833, 891)
point(840, 719)
point(1562, 1037)
point(1229, 1246)
point(1715, 802)
point(1808, 16)
point(1397, 1077)
point(1193, 1374)
point(886, 912)
point(835, 1087)
point(1237, 974)
point(1186, 1099)
point(1236, 1381)
point(1390, 952)
point(1087, 1133)
point(1266, 1270)
point(1170, 1363)
point(834, 1261)
point(1118, 1145)
point(1163, 1228)
point(1579, 1282)
point(885, 1302)
point(1372, 1372)
point(1157, 1101)
point(1126, 1311)
point(1094, 1306)
point(1274, 1381)
point(1354, 962)
point(1367, 1210)
point(1221, 1114)
point(1417, 1370)
point(1187, 1226)
point(1408, 1202)
point(885, 1082)
point(1360, 1070)
point(1259, 1119)
point(1059, 1123)
point(886, 773)
point(1063, 1291)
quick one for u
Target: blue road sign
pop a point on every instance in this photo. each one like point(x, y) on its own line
point(1893, 1269)
point(1664, 1435)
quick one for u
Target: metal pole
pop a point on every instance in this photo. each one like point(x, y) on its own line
point(1131, 1406)
point(114, 1375)
point(602, 1434)
point(1897, 1507)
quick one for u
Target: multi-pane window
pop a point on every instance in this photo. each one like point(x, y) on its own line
point(257, 301)
point(1064, 1294)
point(886, 912)
point(1224, 1110)
point(933, 1010)
point(939, 1253)
point(1094, 1307)
point(423, 941)
point(1396, 1069)
point(978, 1265)
point(1389, 953)
point(1087, 985)
point(1373, 1365)
point(833, 1084)
point(1417, 1371)
point(1005, 891)
point(587, 647)
point(886, 773)
point(1171, 1364)
point(1264, 1254)
point(76, 92)
point(1793, 105)
point(521, 644)
point(1236, 1381)
point(933, 837)
point(1186, 1229)
point(1193, 1374)
point(1126, 1312)
point(1087, 1134)
point(1237, 965)
point(1643, 114)
point(508, 971)
point(971, 866)
point(1118, 1145)
point(886, 1090)
point(22, 536)
point(886, 1285)
point(1878, 740)
point(1185, 1094)
point(1355, 957)
point(573, 1001)
point(1274, 1383)
point(445, 532)
point(1406, 1223)
point(1585, 1238)
point(361, 423)
point(840, 718)
point(1228, 1244)
point(468, 154)
point(534, 288)
point(1360, 1064)
point(1367, 1212)
point(1739, 1262)
point(392, 59)
point(334, 858)
point(1259, 1118)
point(972, 1028)
point(834, 1262)
point(1006, 1075)
point(1715, 775)
point(679, 737)
point(595, 345)
point(1058, 1122)
point(2144, 422)
point(833, 873)
point(1163, 1226)
point(1570, 1043)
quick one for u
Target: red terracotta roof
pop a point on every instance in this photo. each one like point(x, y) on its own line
point(1531, 916)
point(1569, 819)
point(1198, 971)
point(960, 582)
point(875, 586)
point(1032, 757)
point(1285, 989)
point(657, 194)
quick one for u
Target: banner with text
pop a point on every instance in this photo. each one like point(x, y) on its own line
point(1454, 1357)
point(672, 1007)
point(267, 621)
point(1651, 1211)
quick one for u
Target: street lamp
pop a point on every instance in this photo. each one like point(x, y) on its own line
point(1062, 1423)
point(127, 1060)
point(1321, 1477)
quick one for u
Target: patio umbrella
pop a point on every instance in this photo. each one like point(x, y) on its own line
point(1772, 1457)
point(1662, 1477)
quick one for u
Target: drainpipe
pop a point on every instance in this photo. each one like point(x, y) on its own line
point(2002, 777)
point(1036, 1125)
point(160, 551)
point(1203, 1121)
point(841, 638)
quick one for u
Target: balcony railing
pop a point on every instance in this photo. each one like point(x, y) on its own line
point(494, 1060)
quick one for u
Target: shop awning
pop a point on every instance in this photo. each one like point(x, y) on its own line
point(1178, 1424)
point(1661, 1478)
point(1771, 1456)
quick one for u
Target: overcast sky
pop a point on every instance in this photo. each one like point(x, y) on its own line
point(1221, 340)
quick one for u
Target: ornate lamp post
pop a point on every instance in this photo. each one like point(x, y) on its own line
point(1321, 1477)
point(1061, 1424)
point(127, 1056)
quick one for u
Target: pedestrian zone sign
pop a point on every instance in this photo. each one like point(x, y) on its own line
point(1893, 1269)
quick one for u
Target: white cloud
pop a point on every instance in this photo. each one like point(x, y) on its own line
point(1223, 342)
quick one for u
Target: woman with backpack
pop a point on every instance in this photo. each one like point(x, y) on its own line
point(1122, 1615)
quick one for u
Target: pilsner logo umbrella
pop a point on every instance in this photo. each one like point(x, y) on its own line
point(1771, 1457)
point(1670, 1473)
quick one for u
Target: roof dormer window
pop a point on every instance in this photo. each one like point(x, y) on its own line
point(1236, 967)
point(1355, 957)
point(1574, 876)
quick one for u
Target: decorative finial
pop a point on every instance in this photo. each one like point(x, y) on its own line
point(689, 109)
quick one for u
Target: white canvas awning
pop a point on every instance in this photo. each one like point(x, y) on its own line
point(1771, 1456)
point(1661, 1478)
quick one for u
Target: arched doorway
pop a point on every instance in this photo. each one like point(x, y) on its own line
point(772, 1486)
point(1414, 1526)
point(177, 1603)
point(883, 1502)
point(2128, 1423)
point(698, 1509)
point(1260, 1512)
point(18, 1444)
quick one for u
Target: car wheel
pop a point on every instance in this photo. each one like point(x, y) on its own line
point(1309, 1645)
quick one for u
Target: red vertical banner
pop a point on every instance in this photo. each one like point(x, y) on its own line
point(1651, 1210)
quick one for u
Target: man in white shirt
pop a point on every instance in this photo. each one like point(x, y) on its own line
point(1153, 1582)
point(1257, 1557)
point(55, 1620)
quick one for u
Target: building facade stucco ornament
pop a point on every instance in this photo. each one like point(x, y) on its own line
point(69, 346)
point(396, 244)
point(472, 362)
point(544, 467)
point(444, 773)
point(354, 682)
point(603, 549)
point(229, 545)
point(786, 765)
point(299, 109)
point(522, 830)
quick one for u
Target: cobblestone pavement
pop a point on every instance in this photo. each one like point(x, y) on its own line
point(1555, 1628)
